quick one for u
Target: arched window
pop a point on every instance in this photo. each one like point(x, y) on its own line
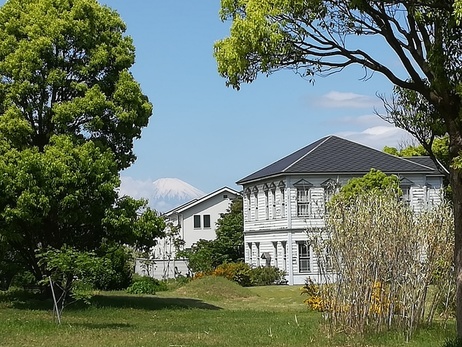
point(282, 188)
point(405, 186)
point(303, 197)
point(266, 191)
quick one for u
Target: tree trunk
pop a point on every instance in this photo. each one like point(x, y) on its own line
point(456, 184)
point(452, 111)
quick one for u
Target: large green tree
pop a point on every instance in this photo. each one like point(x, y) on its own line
point(69, 113)
point(325, 36)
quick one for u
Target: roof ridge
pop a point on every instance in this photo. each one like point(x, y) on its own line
point(307, 153)
point(206, 197)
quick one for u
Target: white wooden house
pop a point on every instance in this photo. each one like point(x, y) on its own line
point(285, 199)
point(195, 220)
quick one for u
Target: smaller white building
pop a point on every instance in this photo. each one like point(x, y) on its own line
point(187, 224)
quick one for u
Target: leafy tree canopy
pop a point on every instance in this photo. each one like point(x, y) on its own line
point(375, 181)
point(440, 148)
point(69, 113)
point(64, 68)
point(320, 37)
point(230, 233)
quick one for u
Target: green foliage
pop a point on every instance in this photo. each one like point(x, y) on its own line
point(458, 10)
point(11, 266)
point(200, 256)
point(23, 279)
point(72, 272)
point(265, 275)
point(455, 342)
point(240, 273)
point(229, 243)
point(177, 282)
point(69, 113)
point(66, 195)
point(205, 255)
point(320, 37)
point(65, 70)
point(245, 275)
point(65, 264)
point(122, 268)
point(440, 149)
point(146, 285)
point(373, 181)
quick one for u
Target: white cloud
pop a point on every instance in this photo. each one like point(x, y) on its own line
point(136, 188)
point(379, 136)
point(336, 99)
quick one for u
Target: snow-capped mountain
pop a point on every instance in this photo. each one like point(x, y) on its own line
point(163, 194)
point(174, 188)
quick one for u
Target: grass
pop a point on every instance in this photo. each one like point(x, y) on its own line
point(207, 312)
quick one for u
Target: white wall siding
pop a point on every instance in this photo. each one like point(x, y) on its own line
point(272, 231)
point(418, 198)
point(258, 243)
point(161, 269)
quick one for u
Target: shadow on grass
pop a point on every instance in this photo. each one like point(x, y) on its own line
point(26, 300)
point(29, 301)
point(149, 302)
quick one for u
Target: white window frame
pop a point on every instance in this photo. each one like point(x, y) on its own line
point(304, 257)
point(275, 248)
point(303, 202)
point(255, 193)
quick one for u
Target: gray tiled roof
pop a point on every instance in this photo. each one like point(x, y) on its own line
point(333, 154)
point(423, 160)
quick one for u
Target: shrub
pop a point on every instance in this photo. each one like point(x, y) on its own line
point(237, 272)
point(265, 275)
point(121, 261)
point(455, 342)
point(24, 280)
point(244, 275)
point(314, 300)
point(146, 285)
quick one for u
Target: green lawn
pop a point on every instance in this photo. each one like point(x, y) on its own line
point(208, 314)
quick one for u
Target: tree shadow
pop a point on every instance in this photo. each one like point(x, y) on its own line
point(150, 302)
point(23, 299)
point(28, 301)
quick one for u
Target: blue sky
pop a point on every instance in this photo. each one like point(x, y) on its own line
point(209, 135)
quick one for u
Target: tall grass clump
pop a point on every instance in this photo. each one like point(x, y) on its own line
point(384, 265)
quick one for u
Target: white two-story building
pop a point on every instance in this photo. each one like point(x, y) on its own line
point(193, 221)
point(285, 199)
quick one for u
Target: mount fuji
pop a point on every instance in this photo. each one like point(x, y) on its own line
point(163, 194)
